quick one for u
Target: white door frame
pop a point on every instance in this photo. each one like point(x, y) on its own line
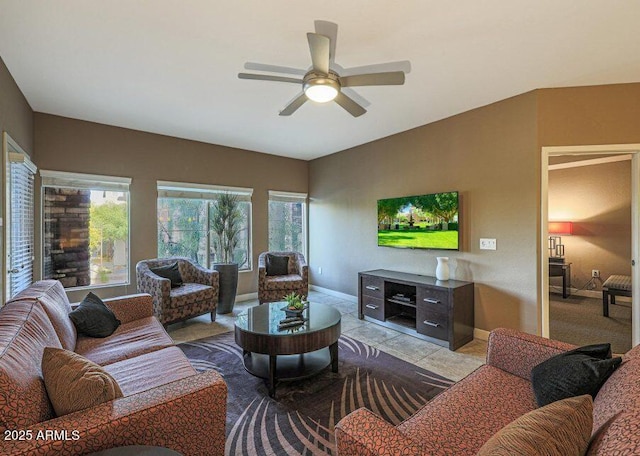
point(614, 149)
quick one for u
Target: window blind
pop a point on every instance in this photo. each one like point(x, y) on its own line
point(287, 197)
point(21, 231)
point(200, 191)
point(62, 179)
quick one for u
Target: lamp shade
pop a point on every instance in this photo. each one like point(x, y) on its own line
point(560, 227)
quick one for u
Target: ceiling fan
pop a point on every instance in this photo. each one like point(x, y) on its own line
point(322, 83)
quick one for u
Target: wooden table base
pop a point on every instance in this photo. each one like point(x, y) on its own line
point(277, 368)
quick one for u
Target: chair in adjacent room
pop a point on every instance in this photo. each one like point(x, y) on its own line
point(176, 297)
point(281, 273)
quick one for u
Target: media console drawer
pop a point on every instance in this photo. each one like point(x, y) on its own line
point(438, 311)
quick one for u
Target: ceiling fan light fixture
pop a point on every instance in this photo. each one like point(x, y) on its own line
point(321, 90)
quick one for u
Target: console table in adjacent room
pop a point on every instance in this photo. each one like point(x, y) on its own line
point(422, 306)
point(561, 269)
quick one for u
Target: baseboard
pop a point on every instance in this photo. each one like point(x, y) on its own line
point(337, 294)
point(247, 297)
point(596, 294)
point(480, 334)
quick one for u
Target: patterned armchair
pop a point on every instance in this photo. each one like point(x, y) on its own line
point(275, 288)
point(196, 296)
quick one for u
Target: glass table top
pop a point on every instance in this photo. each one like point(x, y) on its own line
point(265, 319)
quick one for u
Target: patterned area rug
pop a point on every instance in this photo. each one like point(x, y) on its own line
point(301, 418)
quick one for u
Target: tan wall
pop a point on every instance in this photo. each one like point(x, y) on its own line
point(607, 114)
point(490, 156)
point(16, 116)
point(597, 198)
point(70, 145)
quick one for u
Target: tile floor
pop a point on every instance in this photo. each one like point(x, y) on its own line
point(453, 365)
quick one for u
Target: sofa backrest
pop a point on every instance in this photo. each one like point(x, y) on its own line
point(51, 296)
point(25, 329)
point(616, 408)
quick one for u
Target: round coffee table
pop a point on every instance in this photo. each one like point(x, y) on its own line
point(290, 353)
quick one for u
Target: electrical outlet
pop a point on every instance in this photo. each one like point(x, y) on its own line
point(487, 244)
point(320, 270)
point(595, 273)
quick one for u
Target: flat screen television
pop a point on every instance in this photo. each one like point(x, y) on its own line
point(419, 222)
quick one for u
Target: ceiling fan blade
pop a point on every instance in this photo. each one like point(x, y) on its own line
point(319, 47)
point(400, 65)
point(330, 30)
point(349, 105)
point(294, 105)
point(266, 77)
point(273, 68)
point(355, 96)
point(391, 78)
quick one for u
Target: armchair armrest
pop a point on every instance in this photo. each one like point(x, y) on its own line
point(518, 352)
point(199, 274)
point(303, 268)
point(131, 307)
point(363, 433)
point(187, 415)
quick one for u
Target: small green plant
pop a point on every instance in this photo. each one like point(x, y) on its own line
point(294, 301)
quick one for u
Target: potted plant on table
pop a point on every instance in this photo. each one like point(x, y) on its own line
point(226, 223)
point(295, 305)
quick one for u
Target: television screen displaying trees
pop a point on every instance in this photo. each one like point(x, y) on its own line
point(419, 222)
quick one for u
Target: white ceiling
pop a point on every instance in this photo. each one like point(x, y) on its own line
point(170, 66)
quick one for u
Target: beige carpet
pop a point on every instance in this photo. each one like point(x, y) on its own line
point(578, 320)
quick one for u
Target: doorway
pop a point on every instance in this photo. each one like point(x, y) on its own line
point(627, 151)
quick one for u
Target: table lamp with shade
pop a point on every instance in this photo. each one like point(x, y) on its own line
point(556, 247)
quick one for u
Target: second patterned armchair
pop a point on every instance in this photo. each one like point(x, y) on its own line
point(197, 295)
point(274, 287)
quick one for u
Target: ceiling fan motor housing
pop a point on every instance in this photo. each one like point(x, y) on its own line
point(321, 87)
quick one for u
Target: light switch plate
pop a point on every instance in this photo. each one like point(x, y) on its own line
point(487, 244)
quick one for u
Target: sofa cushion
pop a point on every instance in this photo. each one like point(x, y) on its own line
point(285, 282)
point(51, 296)
point(150, 370)
point(74, 383)
point(25, 330)
point(129, 340)
point(169, 271)
point(461, 419)
point(276, 265)
point(558, 429)
point(93, 318)
point(619, 435)
point(580, 371)
point(620, 393)
point(190, 293)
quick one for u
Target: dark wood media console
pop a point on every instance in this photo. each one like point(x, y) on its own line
point(422, 306)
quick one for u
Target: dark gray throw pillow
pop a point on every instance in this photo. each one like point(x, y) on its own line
point(277, 265)
point(574, 373)
point(92, 318)
point(170, 272)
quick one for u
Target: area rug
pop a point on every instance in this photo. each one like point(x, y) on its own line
point(301, 418)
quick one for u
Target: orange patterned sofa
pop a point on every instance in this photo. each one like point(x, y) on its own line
point(461, 419)
point(166, 403)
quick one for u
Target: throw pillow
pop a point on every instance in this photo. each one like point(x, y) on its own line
point(74, 383)
point(170, 272)
point(573, 373)
point(559, 429)
point(92, 318)
point(277, 265)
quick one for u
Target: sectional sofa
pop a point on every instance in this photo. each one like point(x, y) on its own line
point(460, 420)
point(166, 403)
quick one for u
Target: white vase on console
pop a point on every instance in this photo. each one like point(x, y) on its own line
point(442, 269)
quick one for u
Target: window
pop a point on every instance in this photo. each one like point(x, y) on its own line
point(19, 211)
point(86, 229)
point(186, 215)
point(287, 222)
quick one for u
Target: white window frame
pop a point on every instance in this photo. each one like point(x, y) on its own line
point(208, 192)
point(64, 179)
point(293, 197)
